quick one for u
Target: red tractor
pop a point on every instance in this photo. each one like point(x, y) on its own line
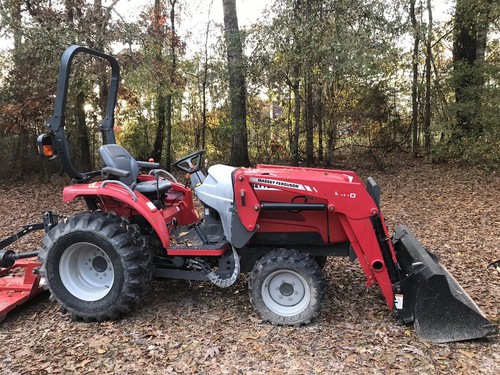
point(277, 223)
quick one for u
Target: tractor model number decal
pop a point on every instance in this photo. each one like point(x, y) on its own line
point(290, 185)
point(263, 187)
point(345, 195)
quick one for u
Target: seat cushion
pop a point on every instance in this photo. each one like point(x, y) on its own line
point(149, 187)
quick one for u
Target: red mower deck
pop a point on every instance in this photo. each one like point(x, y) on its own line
point(18, 284)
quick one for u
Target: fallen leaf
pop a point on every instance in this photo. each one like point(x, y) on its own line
point(466, 353)
point(211, 352)
point(85, 362)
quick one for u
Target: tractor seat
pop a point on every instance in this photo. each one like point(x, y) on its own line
point(115, 156)
point(149, 187)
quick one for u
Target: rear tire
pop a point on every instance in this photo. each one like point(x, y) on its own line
point(320, 260)
point(96, 266)
point(287, 287)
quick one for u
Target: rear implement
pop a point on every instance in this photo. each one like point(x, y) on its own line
point(16, 288)
point(19, 281)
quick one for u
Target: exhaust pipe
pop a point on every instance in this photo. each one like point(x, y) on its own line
point(430, 297)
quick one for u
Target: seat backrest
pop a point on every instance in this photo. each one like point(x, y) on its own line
point(113, 155)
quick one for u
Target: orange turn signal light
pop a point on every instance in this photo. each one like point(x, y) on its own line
point(46, 151)
point(44, 145)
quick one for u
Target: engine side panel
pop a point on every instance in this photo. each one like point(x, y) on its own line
point(217, 192)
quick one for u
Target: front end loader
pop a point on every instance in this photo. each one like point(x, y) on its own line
point(277, 223)
point(324, 211)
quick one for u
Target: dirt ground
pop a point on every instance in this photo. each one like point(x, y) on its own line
point(193, 327)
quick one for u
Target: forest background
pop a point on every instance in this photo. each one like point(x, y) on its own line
point(344, 83)
point(307, 82)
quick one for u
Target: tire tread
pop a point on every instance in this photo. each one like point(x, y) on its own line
point(128, 243)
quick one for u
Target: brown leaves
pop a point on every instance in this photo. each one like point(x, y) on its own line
point(211, 351)
point(193, 327)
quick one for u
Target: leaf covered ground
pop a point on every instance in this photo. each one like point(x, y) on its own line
point(193, 327)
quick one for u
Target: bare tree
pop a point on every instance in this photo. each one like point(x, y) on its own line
point(414, 86)
point(428, 58)
point(237, 89)
point(469, 45)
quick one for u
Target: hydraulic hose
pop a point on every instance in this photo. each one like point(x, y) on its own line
point(216, 279)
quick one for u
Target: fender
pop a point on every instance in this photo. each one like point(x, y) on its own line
point(142, 205)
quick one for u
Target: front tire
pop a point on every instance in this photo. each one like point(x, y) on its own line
point(96, 266)
point(287, 287)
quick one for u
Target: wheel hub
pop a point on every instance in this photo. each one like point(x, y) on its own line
point(285, 292)
point(86, 271)
point(99, 264)
point(286, 289)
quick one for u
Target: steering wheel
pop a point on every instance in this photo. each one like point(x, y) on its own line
point(190, 163)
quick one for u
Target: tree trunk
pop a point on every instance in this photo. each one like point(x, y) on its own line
point(331, 141)
point(204, 108)
point(237, 89)
point(160, 97)
point(320, 129)
point(16, 25)
point(173, 42)
point(160, 129)
point(309, 120)
point(205, 83)
point(82, 132)
point(414, 87)
point(469, 45)
point(296, 118)
point(97, 42)
point(168, 123)
point(428, 57)
point(309, 97)
point(17, 30)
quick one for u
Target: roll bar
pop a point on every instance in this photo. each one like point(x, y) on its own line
point(56, 123)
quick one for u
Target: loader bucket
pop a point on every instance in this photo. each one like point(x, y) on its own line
point(429, 296)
